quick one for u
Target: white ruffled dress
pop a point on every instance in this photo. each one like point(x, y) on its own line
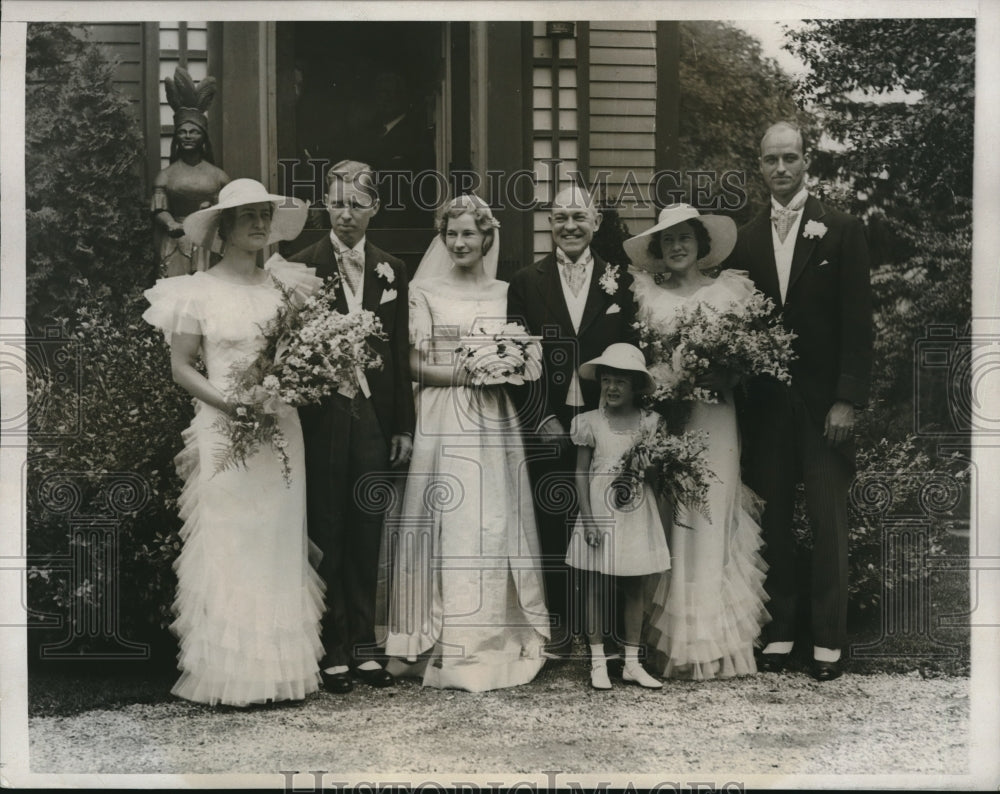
point(707, 615)
point(248, 601)
point(633, 541)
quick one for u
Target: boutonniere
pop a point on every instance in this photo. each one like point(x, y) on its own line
point(814, 229)
point(609, 281)
point(384, 269)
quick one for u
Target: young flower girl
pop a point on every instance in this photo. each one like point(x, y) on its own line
point(619, 532)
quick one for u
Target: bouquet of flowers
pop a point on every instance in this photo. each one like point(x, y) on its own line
point(310, 351)
point(744, 339)
point(500, 352)
point(673, 465)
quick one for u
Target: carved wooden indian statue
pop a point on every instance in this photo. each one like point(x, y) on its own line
point(190, 182)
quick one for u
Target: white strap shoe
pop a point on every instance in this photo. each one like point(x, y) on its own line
point(599, 677)
point(636, 674)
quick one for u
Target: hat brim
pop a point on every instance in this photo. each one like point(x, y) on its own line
point(588, 371)
point(287, 222)
point(721, 234)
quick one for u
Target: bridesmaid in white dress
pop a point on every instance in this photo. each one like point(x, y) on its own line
point(467, 606)
point(248, 601)
point(707, 616)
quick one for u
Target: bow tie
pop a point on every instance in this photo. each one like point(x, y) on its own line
point(784, 218)
point(352, 265)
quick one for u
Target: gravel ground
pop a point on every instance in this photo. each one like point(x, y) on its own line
point(767, 724)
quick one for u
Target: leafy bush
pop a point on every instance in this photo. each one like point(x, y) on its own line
point(110, 436)
point(118, 428)
point(730, 93)
point(896, 481)
point(86, 215)
point(611, 235)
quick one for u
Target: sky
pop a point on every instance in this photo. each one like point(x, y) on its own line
point(771, 37)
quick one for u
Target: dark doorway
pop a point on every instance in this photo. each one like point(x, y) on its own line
point(369, 91)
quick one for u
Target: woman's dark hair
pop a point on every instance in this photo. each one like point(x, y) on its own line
point(638, 381)
point(700, 236)
point(227, 217)
point(206, 148)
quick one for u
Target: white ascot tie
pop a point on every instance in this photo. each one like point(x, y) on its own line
point(352, 267)
point(784, 218)
point(575, 273)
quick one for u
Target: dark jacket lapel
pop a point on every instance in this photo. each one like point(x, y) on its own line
point(324, 257)
point(762, 246)
point(597, 298)
point(372, 295)
point(550, 285)
point(804, 246)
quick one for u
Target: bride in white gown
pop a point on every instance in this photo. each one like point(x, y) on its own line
point(467, 607)
point(707, 616)
point(248, 601)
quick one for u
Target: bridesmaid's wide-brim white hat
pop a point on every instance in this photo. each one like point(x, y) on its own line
point(721, 234)
point(289, 213)
point(620, 355)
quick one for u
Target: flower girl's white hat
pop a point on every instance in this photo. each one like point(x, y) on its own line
point(289, 213)
point(620, 355)
point(721, 234)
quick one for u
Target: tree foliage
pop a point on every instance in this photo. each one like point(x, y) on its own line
point(897, 97)
point(101, 400)
point(730, 93)
point(899, 94)
point(895, 101)
point(86, 216)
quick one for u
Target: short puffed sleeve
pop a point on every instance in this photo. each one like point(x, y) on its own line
point(295, 276)
point(176, 305)
point(737, 283)
point(421, 323)
point(581, 430)
point(642, 287)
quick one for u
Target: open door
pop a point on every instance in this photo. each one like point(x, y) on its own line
point(371, 91)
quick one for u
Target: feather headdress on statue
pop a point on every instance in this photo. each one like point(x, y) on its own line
point(189, 100)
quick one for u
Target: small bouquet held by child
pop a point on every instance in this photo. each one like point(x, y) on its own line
point(498, 352)
point(743, 340)
point(673, 466)
point(310, 351)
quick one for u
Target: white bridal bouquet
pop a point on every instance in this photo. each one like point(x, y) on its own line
point(499, 352)
point(311, 350)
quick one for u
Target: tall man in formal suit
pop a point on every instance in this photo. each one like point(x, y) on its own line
point(579, 305)
point(812, 261)
point(349, 440)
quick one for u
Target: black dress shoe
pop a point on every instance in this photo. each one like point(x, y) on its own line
point(379, 677)
point(772, 662)
point(826, 671)
point(337, 683)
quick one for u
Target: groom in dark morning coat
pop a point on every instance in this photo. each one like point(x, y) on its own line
point(579, 305)
point(812, 261)
point(349, 441)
